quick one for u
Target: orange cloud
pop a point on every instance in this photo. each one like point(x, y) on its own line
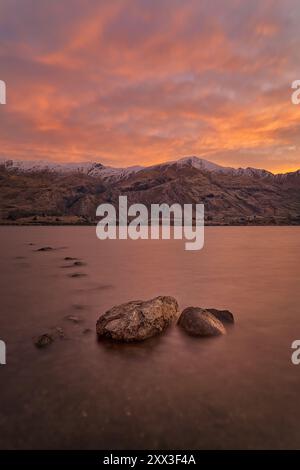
point(130, 82)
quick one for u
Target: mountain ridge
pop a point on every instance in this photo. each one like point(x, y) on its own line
point(98, 169)
point(38, 194)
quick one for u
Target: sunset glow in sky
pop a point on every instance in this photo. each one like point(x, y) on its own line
point(129, 82)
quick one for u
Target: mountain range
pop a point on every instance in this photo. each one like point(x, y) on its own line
point(39, 192)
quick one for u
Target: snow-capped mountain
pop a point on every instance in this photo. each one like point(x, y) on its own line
point(114, 174)
point(88, 168)
point(43, 192)
point(202, 164)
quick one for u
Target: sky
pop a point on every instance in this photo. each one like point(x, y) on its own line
point(138, 82)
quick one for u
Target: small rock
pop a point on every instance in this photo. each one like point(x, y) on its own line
point(225, 316)
point(60, 332)
point(73, 318)
point(137, 320)
point(45, 248)
point(69, 258)
point(43, 340)
point(199, 322)
point(79, 307)
point(77, 275)
point(86, 331)
point(78, 263)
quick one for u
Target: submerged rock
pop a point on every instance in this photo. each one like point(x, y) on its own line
point(60, 332)
point(79, 307)
point(225, 316)
point(74, 319)
point(45, 248)
point(69, 258)
point(77, 275)
point(200, 322)
point(137, 320)
point(86, 331)
point(43, 340)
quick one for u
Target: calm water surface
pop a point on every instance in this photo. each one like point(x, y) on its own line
point(173, 391)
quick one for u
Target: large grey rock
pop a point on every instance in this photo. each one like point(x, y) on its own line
point(200, 322)
point(137, 320)
point(223, 315)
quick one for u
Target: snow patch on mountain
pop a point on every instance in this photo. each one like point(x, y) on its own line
point(88, 168)
point(206, 165)
point(115, 174)
point(202, 164)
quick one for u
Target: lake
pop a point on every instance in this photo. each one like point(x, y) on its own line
point(238, 391)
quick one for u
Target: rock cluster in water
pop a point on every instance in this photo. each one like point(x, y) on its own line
point(47, 338)
point(138, 320)
point(142, 319)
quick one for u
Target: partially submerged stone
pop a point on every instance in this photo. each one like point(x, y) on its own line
point(60, 332)
point(78, 263)
point(86, 331)
point(137, 320)
point(200, 322)
point(74, 275)
point(74, 319)
point(43, 340)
